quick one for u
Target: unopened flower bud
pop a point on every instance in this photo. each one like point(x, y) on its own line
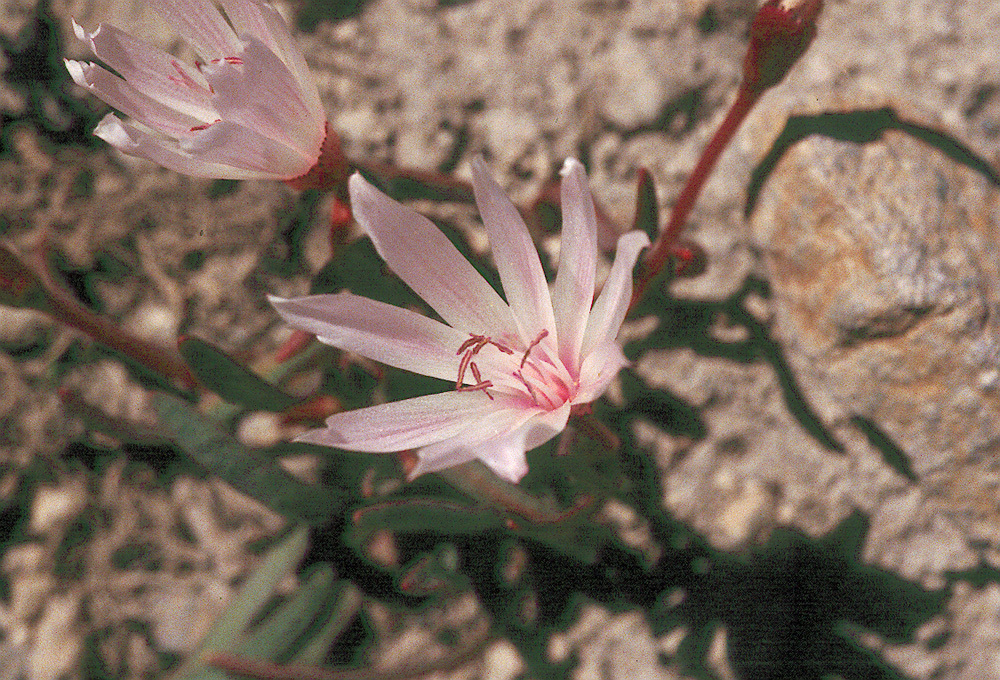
point(780, 33)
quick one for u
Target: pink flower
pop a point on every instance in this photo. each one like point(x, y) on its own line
point(250, 110)
point(518, 367)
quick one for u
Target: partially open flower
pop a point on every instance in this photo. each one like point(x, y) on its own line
point(518, 367)
point(249, 110)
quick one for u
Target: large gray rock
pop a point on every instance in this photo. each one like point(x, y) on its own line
point(883, 262)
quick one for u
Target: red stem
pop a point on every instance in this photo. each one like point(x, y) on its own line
point(64, 308)
point(667, 240)
point(263, 669)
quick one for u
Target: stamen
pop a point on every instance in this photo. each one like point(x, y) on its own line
point(476, 341)
point(462, 367)
point(536, 369)
point(228, 60)
point(205, 126)
point(527, 385)
point(481, 386)
point(503, 348)
point(541, 336)
point(468, 350)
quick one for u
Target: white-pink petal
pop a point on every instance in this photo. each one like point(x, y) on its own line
point(609, 310)
point(261, 94)
point(598, 369)
point(515, 255)
point(130, 101)
point(573, 292)
point(202, 25)
point(244, 149)
point(506, 456)
point(130, 140)
point(255, 18)
point(412, 423)
point(262, 20)
point(423, 257)
point(500, 441)
point(151, 71)
point(441, 458)
point(390, 335)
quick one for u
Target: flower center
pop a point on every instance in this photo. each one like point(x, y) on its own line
point(538, 376)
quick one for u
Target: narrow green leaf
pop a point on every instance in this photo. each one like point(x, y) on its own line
point(342, 607)
point(359, 268)
point(273, 638)
point(352, 384)
point(248, 470)
point(229, 628)
point(647, 214)
point(579, 541)
point(231, 380)
point(426, 514)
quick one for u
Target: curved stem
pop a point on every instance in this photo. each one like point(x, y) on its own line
point(61, 306)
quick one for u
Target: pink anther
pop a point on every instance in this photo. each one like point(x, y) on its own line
point(475, 342)
point(503, 348)
point(471, 348)
point(462, 367)
point(483, 385)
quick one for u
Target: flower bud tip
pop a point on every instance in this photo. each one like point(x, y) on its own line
point(780, 33)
